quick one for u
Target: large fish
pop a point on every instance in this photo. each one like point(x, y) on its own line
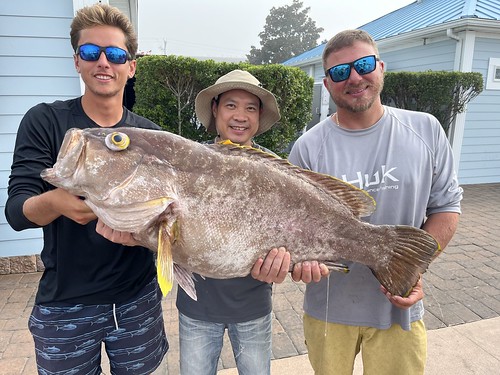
point(215, 209)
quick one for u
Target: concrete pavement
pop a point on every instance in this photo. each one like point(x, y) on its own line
point(462, 307)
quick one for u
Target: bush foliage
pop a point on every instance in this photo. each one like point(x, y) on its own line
point(166, 87)
point(443, 94)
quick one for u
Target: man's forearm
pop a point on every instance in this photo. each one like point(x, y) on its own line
point(442, 226)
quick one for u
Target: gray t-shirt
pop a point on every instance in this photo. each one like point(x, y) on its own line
point(405, 163)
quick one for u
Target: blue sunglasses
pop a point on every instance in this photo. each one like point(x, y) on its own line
point(92, 52)
point(362, 66)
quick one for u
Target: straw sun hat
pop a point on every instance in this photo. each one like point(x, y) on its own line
point(242, 80)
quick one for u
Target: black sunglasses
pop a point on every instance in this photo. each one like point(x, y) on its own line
point(362, 66)
point(92, 52)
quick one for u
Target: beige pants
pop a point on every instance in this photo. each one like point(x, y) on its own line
point(332, 348)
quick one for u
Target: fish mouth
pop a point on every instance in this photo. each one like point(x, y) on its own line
point(67, 159)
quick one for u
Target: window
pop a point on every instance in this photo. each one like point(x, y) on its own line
point(493, 79)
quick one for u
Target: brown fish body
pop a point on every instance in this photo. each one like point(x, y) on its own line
point(221, 207)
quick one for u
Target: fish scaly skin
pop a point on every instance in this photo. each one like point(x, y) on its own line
point(216, 209)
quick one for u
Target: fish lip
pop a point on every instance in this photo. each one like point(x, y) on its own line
point(68, 157)
point(48, 174)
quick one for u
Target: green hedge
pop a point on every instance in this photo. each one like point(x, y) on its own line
point(443, 94)
point(166, 87)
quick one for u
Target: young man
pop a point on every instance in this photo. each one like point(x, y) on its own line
point(403, 159)
point(235, 108)
point(92, 291)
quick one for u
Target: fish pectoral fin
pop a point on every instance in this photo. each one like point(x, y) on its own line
point(186, 280)
point(164, 262)
point(412, 253)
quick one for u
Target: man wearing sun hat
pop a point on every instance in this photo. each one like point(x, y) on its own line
point(235, 108)
point(264, 116)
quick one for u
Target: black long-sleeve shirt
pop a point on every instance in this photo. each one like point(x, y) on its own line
point(80, 265)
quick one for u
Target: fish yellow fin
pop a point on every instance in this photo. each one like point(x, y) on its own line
point(228, 142)
point(164, 262)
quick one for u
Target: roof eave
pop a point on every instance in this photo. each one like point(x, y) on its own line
point(465, 24)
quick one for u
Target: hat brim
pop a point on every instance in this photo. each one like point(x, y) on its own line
point(203, 104)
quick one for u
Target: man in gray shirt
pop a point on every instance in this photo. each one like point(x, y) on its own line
point(404, 160)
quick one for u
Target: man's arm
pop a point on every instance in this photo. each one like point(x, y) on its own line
point(44, 208)
point(442, 226)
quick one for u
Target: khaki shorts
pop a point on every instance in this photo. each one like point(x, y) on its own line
point(333, 347)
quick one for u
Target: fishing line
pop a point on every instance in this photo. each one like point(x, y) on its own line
point(430, 289)
point(327, 302)
point(326, 319)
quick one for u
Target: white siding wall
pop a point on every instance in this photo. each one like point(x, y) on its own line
point(36, 65)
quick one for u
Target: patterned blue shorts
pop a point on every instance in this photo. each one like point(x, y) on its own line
point(68, 339)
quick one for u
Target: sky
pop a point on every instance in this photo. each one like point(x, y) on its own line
point(228, 28)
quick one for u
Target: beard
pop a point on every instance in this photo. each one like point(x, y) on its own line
point(362, 104)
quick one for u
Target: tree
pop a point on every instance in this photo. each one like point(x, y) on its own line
point(288, 32)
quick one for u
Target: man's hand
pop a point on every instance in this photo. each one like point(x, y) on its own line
point(415, 295)
point(45, 208)
point(274, 268)
point(116, 236)
point(309, 271)
point(74, 207)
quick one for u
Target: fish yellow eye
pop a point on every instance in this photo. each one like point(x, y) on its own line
point(117, 141)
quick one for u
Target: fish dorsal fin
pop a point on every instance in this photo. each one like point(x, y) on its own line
point(230, 147)
point(359, 201)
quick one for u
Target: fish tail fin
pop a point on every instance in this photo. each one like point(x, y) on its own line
point(414, 250)
point(164, 262)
